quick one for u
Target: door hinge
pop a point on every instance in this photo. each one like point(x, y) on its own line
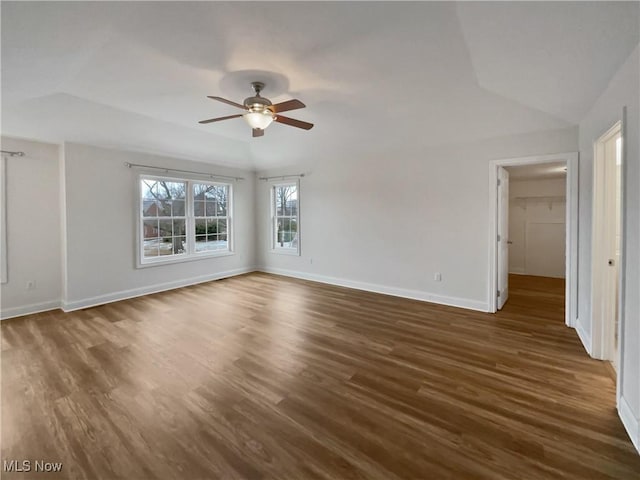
point(499, 182)
point(498, 237)
point(498, 293)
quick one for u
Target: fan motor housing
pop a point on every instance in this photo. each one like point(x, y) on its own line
point(257, 104)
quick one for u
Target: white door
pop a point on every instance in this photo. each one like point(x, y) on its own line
point(502, 239)
point(606, 255)
point(612, 160)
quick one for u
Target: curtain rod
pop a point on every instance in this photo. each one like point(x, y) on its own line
point(282, 177)
point(167, 170)
point(13, 154)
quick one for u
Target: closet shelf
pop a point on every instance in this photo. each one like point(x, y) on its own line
point(550, 200)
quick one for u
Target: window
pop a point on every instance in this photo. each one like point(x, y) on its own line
point(285, 218)
point(211, 219)
point(183, 219)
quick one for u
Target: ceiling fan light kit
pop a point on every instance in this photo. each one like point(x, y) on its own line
point(259, 120)
point(260, 112)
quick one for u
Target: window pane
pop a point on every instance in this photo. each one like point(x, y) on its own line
point(222, 243)
point(164, 208)
point(179, 227)
point(286, 200)
point(149, 208)
point(171, 190)
point(200, 226)
point(212, 225)
point(198, 208)
point(293, 233)
point(201, 243)
point(211, 209)
point(150, 228)
point(279, 197)
point(148, 189)
point(286, 234)
point(165, 228)
point(198, 191)
point(222, 225)
point(178, 208)
point(150, 248)
point(222, 209)
point(211, 192)
point(179, 245)
point(166, 246)
point(178, 190)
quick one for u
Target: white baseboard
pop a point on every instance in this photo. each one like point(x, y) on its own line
point(584, 337)
point(630, 422)
point(386, 290)
point(146, 290)
point(6, 313)
point(517, 271)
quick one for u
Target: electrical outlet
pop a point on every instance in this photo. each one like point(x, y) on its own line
point(31, 285)
point(437, 277)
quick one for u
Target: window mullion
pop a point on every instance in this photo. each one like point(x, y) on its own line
point(190, 223)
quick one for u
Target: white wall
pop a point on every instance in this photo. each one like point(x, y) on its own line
point(33, 228)
point(100, 196)
point(389, 223)
point(623, 90)
point(537, 225)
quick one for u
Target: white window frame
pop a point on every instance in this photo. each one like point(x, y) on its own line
point(273, 219)
point(190, 254)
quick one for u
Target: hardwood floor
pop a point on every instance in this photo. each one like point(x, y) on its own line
point(261, 376)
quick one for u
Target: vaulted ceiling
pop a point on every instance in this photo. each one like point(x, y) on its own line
point(375, 76)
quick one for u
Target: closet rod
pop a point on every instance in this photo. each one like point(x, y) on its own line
point(13, 154)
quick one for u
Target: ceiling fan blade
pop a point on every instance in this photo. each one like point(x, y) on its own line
point(293, 122)
point(219, 118)
point(228, 102)
point(258, 132)
point(286, 106)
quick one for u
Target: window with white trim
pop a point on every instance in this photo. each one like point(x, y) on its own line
point(285, 218)
point(210, 211)
point(183, 219)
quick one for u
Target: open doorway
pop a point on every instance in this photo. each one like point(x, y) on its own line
point(542, 241)
point(535, 213)
point(607, 246)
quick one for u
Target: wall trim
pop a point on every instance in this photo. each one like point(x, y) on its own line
point(517, 271)
point(630, 422)
point(13, 312)
point(584, 337)
point(149, 289)
point(383, 289)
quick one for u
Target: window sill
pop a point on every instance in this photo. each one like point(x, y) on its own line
point(187, 258)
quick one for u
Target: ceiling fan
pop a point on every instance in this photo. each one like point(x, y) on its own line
point(260, 112)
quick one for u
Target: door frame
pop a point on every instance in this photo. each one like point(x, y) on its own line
point(571, 236)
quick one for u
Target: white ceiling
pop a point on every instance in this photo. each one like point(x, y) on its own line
point(375, 76)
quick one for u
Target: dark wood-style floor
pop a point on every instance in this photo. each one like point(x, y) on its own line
point(261, 376)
